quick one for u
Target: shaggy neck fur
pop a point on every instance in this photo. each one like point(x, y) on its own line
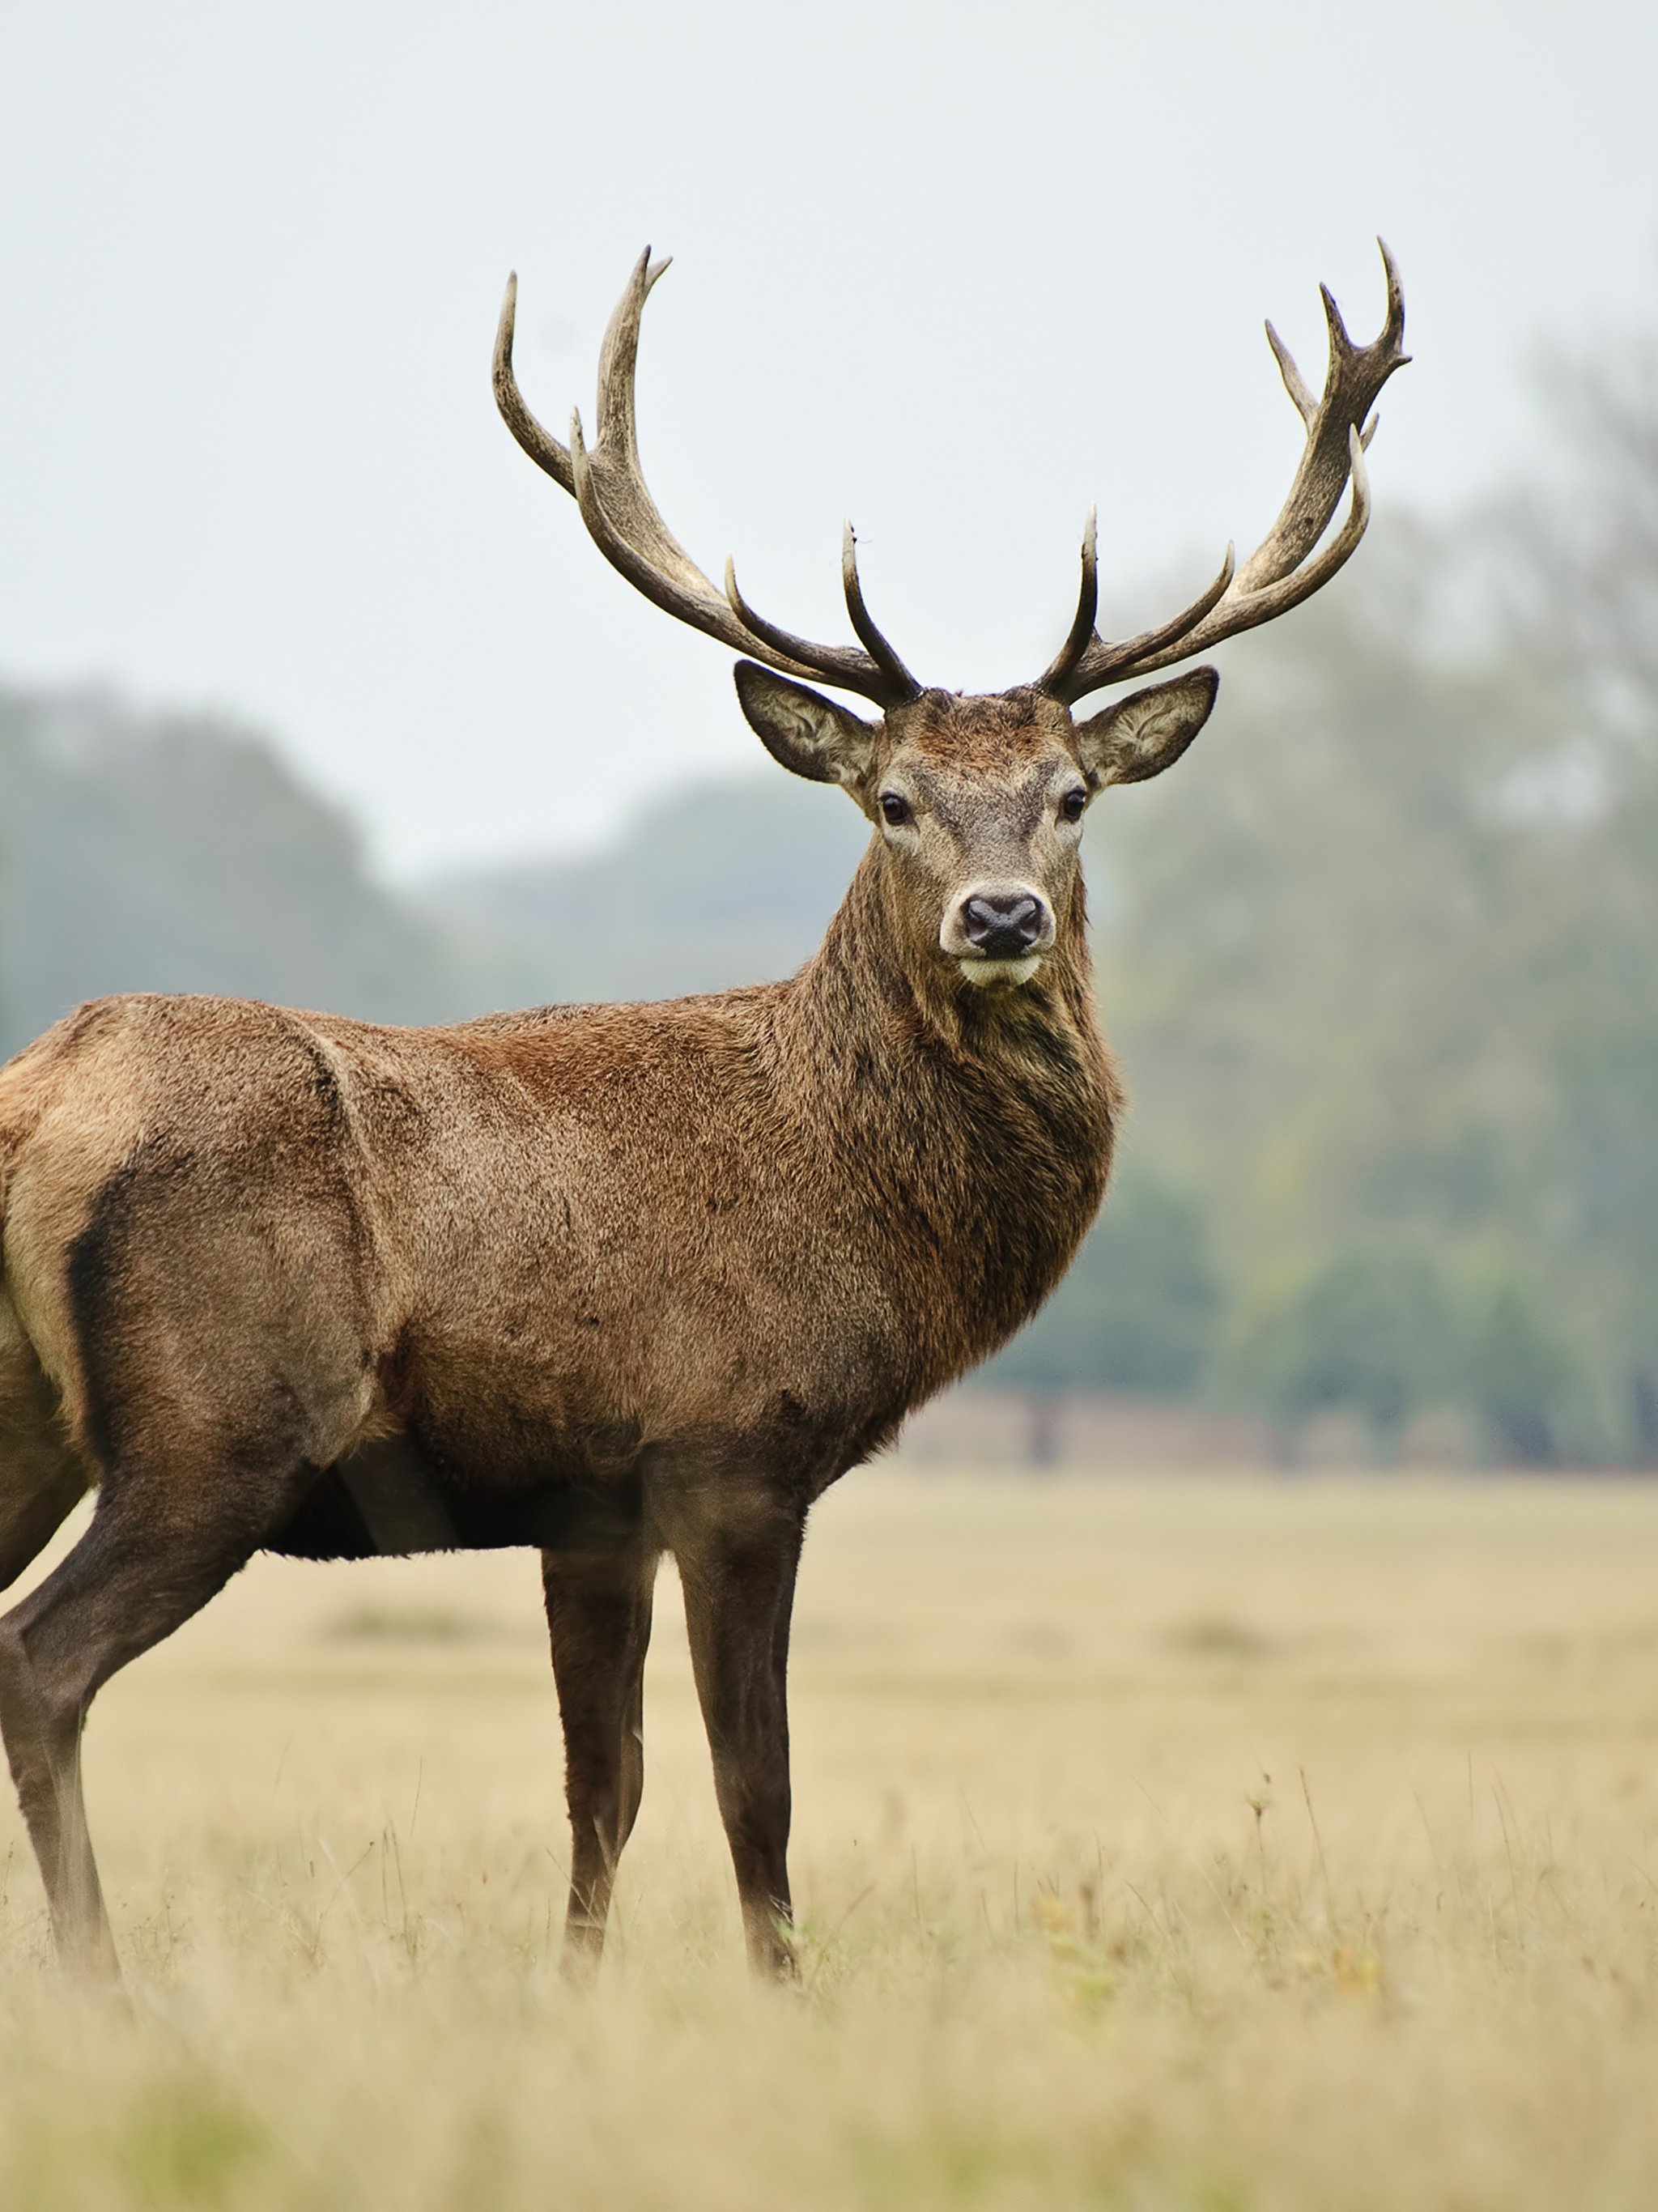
point(1001, 1103)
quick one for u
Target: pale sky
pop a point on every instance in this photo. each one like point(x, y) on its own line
point(956, 271)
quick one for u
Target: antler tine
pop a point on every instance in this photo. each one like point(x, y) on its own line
point(700, 610)
point(1064, 664)
point(615, 455)
point(609, 486)
point(1355, 375)
point(1239, 612)
point(1294, 382)
point(1394, 328)
point(842, 664)
point(618, 356)
point(1094, 662)
point(542, 448)
point(875, 645)
point(1280, 574)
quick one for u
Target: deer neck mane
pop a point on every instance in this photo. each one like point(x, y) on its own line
point(974, 1128)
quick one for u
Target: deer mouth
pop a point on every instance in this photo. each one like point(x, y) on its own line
point(977, 968)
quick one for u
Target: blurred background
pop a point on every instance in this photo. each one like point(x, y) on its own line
point(311, 688)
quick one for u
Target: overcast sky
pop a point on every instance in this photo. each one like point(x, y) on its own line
point(955, 271)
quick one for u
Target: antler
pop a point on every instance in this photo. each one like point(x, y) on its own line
point(607, 484)
point(1277, 575)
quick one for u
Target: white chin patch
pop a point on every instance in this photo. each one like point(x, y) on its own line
point(986, 972)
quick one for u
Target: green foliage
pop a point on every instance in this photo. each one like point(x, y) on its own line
point(1369, 1330)
point(1518, 1373)
point(1388, 1331)
point(1379, 960)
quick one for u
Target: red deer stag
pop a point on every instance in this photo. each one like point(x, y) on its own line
point(610, 1281)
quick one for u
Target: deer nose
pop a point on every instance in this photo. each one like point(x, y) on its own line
point(1002, 925)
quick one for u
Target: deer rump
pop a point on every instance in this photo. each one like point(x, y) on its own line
point(612, 1281)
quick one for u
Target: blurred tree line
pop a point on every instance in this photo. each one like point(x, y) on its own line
point(1383, 971)
point(178, 853)
point(1380, 962)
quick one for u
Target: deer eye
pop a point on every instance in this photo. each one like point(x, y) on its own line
point(1072, 806)
point(894, 809)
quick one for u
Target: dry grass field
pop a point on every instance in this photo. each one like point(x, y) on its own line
point(1211, 1842)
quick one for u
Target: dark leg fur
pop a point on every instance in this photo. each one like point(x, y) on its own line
point(28, 1523)
point(42, 1478)
point(598, 1620)
point(739, 1574)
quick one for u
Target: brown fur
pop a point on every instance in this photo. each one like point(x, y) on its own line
point(614, 1279)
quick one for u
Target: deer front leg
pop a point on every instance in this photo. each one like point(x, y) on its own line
point(738, 1563)
point(598, 1621)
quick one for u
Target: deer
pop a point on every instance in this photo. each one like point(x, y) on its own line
point(611, 1282)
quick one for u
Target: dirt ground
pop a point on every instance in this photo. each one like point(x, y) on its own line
point(1220, 1843)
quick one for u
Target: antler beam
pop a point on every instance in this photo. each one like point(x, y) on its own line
point(1279, 574)
point(608, 484)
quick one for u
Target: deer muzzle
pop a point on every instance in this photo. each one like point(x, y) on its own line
point(998, 932)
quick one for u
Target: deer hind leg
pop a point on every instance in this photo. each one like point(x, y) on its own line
point(42, 1486)
point(30, 1518)
point(42, 1477)
point(737, 1561)
point(598, 1621)
point(154, 1555)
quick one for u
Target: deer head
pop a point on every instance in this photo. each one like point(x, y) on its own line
point(979, 801)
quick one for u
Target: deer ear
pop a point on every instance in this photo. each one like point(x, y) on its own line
point(810, 735)
point(1146, 732)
